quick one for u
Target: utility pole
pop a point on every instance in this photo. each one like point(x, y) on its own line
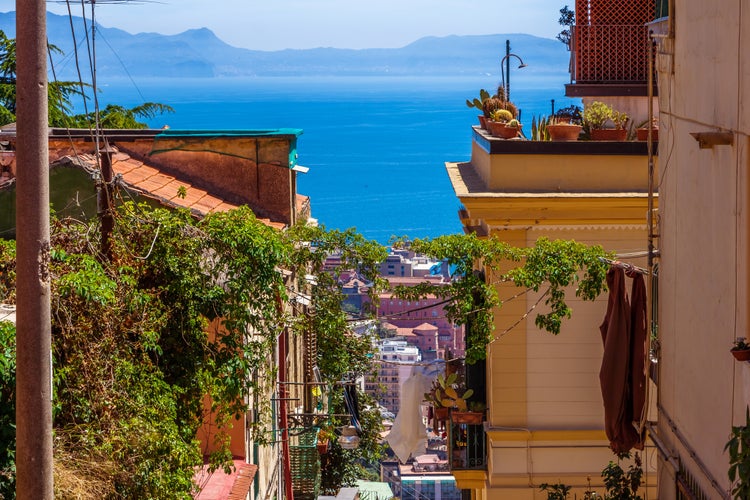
point(33, 324)
point(105, 201)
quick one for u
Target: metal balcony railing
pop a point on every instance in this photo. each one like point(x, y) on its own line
point(614, 54)
point(467, 446)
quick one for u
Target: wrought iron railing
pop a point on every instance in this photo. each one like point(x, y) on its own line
point(467, 447)
point(610, 54)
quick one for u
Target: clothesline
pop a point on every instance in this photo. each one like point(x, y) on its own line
point(628, 267)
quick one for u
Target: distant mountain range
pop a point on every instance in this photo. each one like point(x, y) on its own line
point(200, 53)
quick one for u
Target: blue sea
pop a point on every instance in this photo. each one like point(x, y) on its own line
point(376, 146)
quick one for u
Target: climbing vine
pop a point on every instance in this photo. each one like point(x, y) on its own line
point(189, 308)
point(482, 263)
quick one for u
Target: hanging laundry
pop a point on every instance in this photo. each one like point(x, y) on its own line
point(408, 435)
point(623, 335)
point(639, 342)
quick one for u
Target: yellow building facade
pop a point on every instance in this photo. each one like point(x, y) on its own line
point(545, 411)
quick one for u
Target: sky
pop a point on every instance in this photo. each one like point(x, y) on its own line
point(302, 24)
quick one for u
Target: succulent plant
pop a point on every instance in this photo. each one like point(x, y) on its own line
point(447, 393)
point(478, 102)
point(498, 101)
point(596, 114)
point(501, 115)
point(513, 123)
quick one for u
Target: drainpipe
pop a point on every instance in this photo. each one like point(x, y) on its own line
point(283, 421)
point(650, 223)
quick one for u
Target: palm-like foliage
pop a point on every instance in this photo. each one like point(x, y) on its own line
point(60, 95)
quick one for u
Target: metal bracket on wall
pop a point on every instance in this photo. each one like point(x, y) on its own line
point(707, 140)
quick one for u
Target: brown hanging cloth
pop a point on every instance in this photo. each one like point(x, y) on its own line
point(616, 373)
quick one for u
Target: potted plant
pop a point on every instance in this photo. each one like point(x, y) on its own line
point(741, 350)
point(498, 101)
point(478, 103)
point(642, 131)
point(503, 124)
point(474, 415)
point(324, 438)
point(446, 393)
point(565, 124)
point(738, 447)
point(597, 114)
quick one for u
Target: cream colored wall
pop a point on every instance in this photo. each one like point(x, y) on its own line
point(541, 382)
point(529, 173)
point(563, 370)
point(704, 229)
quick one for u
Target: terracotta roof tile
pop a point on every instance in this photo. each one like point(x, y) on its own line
point(224, 207)
point(241, 486)
point(171, 190)
point(138, 175)
point(155, 182)
point(123, 166)
point(192, 196)
point(206, 204)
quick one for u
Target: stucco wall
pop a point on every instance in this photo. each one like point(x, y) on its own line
point(703, 279)
point(252, 171)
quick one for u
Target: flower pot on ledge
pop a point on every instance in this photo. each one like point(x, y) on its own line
point(499, 129)
point(564, 132)
point(441, 414)
point(609, 134)
point(741, 354)
point(642, 134)
point(467, 417)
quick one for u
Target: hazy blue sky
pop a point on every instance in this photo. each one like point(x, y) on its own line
point(280, 24)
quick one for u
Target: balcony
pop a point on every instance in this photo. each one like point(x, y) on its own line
point(609, 48)
point(467, 449)
point(517, 166)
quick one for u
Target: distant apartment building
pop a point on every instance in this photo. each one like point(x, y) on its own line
point(406, 263)
point(422, 316)
point(427, 477)
point(396, 359)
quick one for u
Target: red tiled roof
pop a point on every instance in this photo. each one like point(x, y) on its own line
point(243, 482)
point(221, 486)
point(151, 182)
point(405, 332)
point(426, 327)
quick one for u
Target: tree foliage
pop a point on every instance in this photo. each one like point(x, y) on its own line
point(189, 308)
point(567, 20)
point(60, 95)
point(481, 263)
point(7, 409)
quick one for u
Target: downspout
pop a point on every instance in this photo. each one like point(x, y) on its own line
point(650, 223)
point(283, 424)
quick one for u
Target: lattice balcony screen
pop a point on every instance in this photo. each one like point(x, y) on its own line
point(610, 40)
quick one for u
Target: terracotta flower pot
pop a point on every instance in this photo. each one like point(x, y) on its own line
point(483, 122)
point(564, 132)
point(741, 355)
point(642, 134)
point(499, 129)
point(441, 414)
point(609, 134)
point(467, 417)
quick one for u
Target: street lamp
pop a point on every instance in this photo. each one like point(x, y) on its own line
point(506, 71)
